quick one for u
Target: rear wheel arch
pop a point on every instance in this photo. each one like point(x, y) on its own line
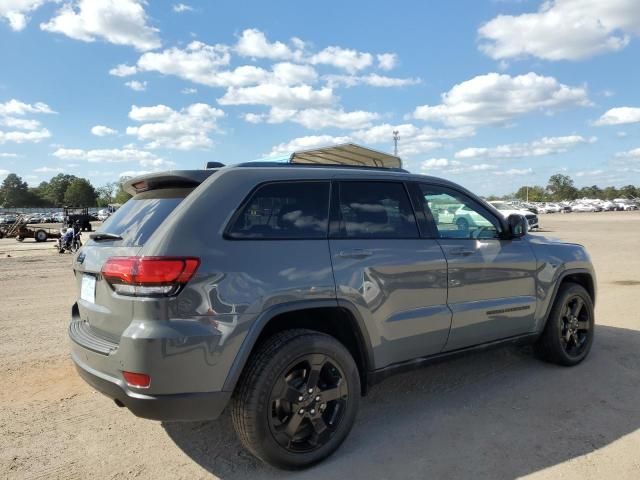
point(340, 321)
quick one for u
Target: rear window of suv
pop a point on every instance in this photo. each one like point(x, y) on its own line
point(141, 215)
point(284, 210)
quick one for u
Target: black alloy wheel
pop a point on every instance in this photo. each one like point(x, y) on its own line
point(307, 403)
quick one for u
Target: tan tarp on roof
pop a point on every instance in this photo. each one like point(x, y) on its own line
point(347, 154)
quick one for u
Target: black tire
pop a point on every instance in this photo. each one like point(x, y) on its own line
point(257, 410)
point(40, 236)
point(568, 336)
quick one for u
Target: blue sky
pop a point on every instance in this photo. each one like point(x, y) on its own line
point(491, 94)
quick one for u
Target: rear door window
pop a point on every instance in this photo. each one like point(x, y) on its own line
point(376, 210)
point(141, 215)
point(284, 210)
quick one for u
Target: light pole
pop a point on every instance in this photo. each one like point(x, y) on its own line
point(396, 137)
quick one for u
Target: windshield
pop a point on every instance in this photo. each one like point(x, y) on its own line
point(139, 217)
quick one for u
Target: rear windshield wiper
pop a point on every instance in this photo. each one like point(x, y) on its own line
point(104, 236)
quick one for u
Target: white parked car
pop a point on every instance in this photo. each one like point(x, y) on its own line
point(584, 207)
point(506, 209)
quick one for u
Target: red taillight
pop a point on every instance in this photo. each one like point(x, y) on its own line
point(149, 276)
point(137, 380)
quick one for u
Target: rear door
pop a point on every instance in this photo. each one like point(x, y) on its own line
point(491, 281)
point(395, 279)
point(107, 313)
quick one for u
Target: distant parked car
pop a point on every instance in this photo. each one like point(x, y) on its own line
point(507, 209)
point(584, 207)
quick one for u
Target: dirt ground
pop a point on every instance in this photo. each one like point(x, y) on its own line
point(496, 415)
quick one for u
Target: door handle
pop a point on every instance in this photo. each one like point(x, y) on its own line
point(355, 253)
point(461, 251)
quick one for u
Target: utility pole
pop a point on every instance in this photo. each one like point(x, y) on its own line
point(396, 137)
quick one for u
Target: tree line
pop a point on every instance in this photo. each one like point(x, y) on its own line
point(62, 190)
point(561, 187)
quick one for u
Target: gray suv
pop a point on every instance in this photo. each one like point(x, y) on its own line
point(284, 291)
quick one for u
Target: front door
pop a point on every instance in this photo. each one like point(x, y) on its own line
point(491, 280)
point(395, 279)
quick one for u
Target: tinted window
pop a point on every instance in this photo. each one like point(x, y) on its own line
point(140, 216)
point(285, 210)
point(457, 216)
point(376, 210)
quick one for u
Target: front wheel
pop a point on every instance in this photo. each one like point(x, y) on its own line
point(568, 334)
point(297, 399)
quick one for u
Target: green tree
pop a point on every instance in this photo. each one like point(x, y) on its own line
point(106, 193)
point(629, 191)
point(80, 193)
point(57, 188)
point(14, 192)
point(590, 192)
point(121, 196)
point(610, 193)
point(534, 194)
point(560, 187)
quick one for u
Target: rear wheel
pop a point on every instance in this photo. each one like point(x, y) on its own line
point(297, 399)
point(40, 236)
point(568, 334)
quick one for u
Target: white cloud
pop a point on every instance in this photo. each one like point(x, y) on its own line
point(563, 30)
point(33, 136)
point(21, 123)
point(306, 143)
point(123, 70)
point(590, 173)
point(437, 164)
point(619, 116)
point(16, 12)
point(111, 155)
point(537, 148)
point(372, 79)
point(23, 129)
point(121, 22)
point(316, 118)
point(275, 95)
point(413, 140)
point(479, 167)
point(254, 43)
point(632, 154)
point(181, 8)
point(16, 107)
point(514, 172)
point(102, 131)
point(197, 62)
point(136, 85)
point(8, 155)
point(497, 98)
point(47, 169)
point(347, 59)
point(163, 127)
point(387, 61)
point(189, 91)
point(133, 173)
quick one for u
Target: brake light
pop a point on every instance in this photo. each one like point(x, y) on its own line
point(149, 276)
point(137, 380)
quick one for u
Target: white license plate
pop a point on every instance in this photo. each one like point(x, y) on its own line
point(88, 288)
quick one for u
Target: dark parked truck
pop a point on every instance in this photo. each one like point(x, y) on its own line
point(283, 291)
point(79, 215)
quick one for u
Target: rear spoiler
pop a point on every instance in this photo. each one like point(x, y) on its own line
point(172, 178)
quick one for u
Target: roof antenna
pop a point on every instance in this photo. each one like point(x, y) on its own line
point(396, 137)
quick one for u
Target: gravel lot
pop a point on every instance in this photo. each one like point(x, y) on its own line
point(495, 415)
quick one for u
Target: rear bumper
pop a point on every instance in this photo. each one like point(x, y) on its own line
point(175, 407)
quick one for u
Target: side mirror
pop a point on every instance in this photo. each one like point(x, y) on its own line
point(518, 225)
